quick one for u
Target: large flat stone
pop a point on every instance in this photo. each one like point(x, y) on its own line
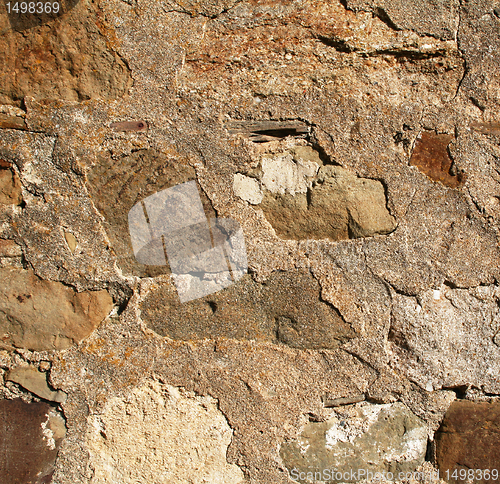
point(286, 309)
point(469, 438)
point(46, 315)
point(373, 438)
point(30, 436)
point(116, 187)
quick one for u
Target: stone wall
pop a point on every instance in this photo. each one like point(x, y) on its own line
point(356, 144)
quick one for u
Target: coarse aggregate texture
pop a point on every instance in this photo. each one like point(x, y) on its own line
point(396, 100)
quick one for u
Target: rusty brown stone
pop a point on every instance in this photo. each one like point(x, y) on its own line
point(430, 155)
point(10, 185)
point(82, 63)
point(12, 122)
point(469, 438)
point(28, 453)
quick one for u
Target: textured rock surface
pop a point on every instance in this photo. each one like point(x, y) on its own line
point(74, 48)
point(375, 438)
point(189, 444)
point(36, 382)
point(10, 186)
point(338, 206)
point(30, 435)
point(468, 439)
point(286, 309)
point(46, 315)
point(394, 103)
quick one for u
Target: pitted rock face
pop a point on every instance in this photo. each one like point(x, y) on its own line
point(286, 309)
point(159, 434)
point(369, 275)
point(374, 438)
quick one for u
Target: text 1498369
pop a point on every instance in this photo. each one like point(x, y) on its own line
point(33, 7)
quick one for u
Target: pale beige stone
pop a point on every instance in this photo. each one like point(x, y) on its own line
point(247, 189)
point(158, 434)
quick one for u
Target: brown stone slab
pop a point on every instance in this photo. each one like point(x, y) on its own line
point(486, 128)
point(430, 155)
point(27, 455)
point(130, 126)
point(10, 185)
point(12, 122)
point(469, 438)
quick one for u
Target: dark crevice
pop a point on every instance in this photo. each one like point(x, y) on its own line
point(460, 391)
point(462, 53)
point(429, 453)
point(407, 54)
point(382, 15)
point(338, 45)
point(261, 131)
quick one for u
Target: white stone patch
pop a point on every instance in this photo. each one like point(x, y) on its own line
point(281, 174)
point(247, 189)
point(347, 430)
point(48, 434)
point(414, 445)
point(54, 428)
point(159, 434)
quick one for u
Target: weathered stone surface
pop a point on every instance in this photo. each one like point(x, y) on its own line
point(222, 85)
point(430, 155)
point(46, 315)
point(35, 382)
point(444, 338)
point(304, 200)
point(376, 438)
point(286, 309)
point(73, 49)
point(469, 438)
point(339, 205)
point(439, 18)
point(116, 186)
point(178, 436)
point(30, 436)
point(10, 186)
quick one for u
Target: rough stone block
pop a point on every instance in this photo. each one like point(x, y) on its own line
point(45, 315)
point(469, 438)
